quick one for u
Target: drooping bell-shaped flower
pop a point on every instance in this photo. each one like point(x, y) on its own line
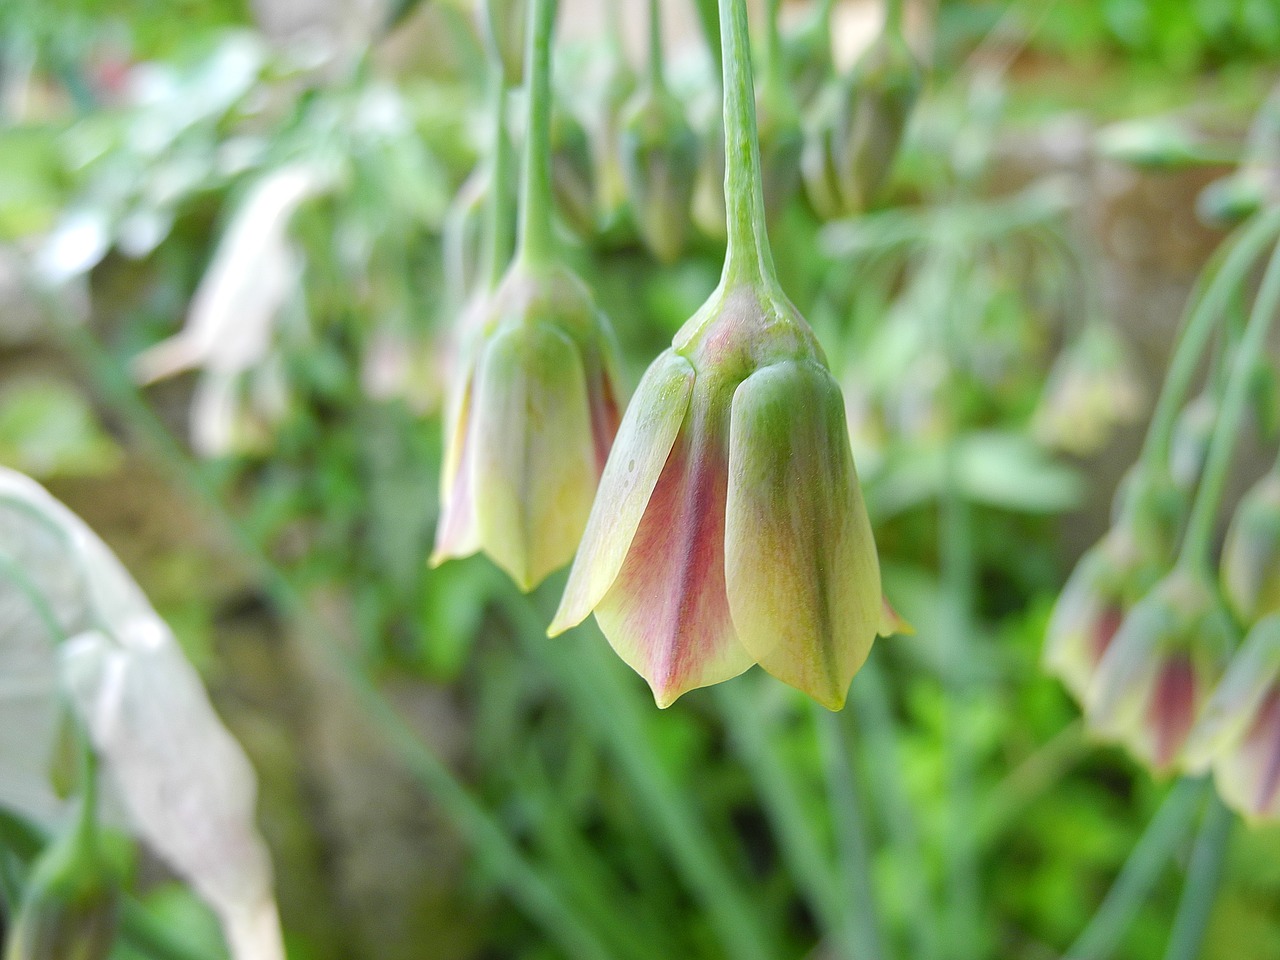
point(859, 127)
point(1160, 668)
point(658, 151)
point(1251, 554)
point(534, 403)
point(1092, 389)
point(729, 528)
point(1110, 577)
point(1238, 734)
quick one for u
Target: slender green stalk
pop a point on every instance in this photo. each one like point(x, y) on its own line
point(1205, 305)
point(956, 554)
point(1140, 873)
point(1032, 778)
point(749, 258)
point(535, 894)
point(536, 239)
point(498, 239)
point(590, 678)
point(1204, 875)
point(657, 69)
point(893, 16)
point(801, 848)
point(864, 933)
point(883, 773)
point(1197, 541)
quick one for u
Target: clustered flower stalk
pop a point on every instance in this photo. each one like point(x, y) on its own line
point(729, 528)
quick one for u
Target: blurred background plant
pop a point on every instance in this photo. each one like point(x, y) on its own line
point(289, 202)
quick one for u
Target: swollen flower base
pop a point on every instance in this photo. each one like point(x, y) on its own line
point(729, 528)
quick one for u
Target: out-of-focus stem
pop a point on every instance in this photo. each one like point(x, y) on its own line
point(884, 763)
point(864, 932)
point(536, 240)
point(801, 848)
point(595, 689)
point(1139, 873)
point(1204, 875)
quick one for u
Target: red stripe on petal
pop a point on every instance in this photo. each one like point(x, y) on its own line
point(667, 613)
point(1264, 737)
point(1103, 631)
point(1172, 709)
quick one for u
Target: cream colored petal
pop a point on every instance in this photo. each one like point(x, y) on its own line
point(534, 467)
point(644, 441)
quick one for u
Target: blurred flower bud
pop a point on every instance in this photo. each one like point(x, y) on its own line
point(531, 416)
point(806, 54)
point(502, 24)
point(1153, 143)
point(1251, 554)
point(1232, 199)
point(659, 155)
point(729, 528)
point(859, 126)
point(1238, 734)
point(1191, 435)
point(70, 903)
point(463, 236)
point(1159, 669)
point(573, 172)
point(1091, 389)
point(781, 143)
point(1149, 509)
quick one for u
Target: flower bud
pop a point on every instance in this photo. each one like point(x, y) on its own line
point(573, 173)
point(1159, 669)
point(659, 155)
point(1191, 435)
point(1232, 199)
point(729, 528)
point(531, 416)
point(861, 121)
point(1238, 734)
point(1251, 553)
point(1091, 389)
point(68, 909)
point(1152, 143)
point(708, 210)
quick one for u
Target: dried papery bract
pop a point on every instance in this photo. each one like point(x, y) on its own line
point(729, 527)
point(254, 275)
point(1238, 733)
point(185, 784)
point(1160, 668)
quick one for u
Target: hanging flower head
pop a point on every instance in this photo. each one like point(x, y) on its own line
point(729, 528)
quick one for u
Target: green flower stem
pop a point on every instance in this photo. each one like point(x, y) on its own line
point(498, 239)
point(748, 259)
point(958, 577)
point(883, 773)
point(1197, 541)
point(1140, 873)
point(537, 243)
point(590, 678)
point(863, 934)
point(801, 847)
point(1214, 289)
point(535, 894)
point(1204, 876)
point(1032, 778)
point(893, 16)
point(657, 70)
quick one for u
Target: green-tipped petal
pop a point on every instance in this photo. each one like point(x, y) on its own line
point(645, 437)
point(534, 467)
point(801, 567)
